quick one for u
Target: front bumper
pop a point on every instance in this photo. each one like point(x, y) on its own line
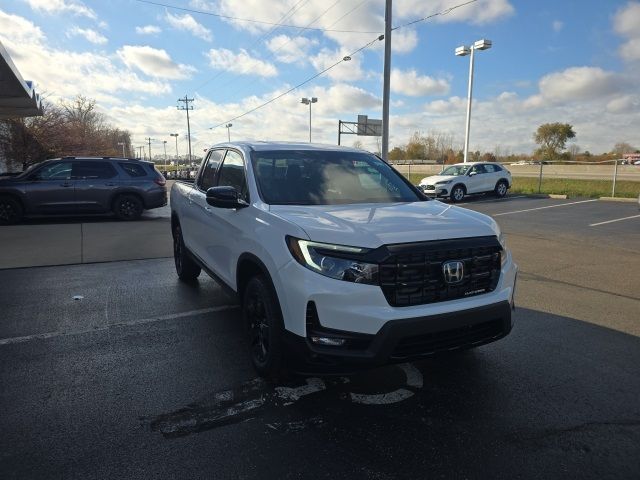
point(437, 191)
point(402, 340)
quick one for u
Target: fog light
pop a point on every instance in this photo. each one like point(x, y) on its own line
point(329, 341)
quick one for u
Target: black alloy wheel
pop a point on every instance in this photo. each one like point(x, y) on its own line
point(10, 211)
point(263, 321)
point(186, 268)
point(128, 207)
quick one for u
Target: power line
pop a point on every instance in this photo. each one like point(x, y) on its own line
point(262, 22)
point(344, 59)
point(442, 13)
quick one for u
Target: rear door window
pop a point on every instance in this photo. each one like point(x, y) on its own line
point(133, 169)
point(93, 170)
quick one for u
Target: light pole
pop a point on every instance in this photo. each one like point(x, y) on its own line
point(229, 125)
point(122, 145)
point(176, 135)
point(165, 156)
point(309, 101)
point(463, 51)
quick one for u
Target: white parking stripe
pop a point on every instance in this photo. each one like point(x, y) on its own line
point(542, 208)
point(611, 221)
point(493, 200)
point(140, 321)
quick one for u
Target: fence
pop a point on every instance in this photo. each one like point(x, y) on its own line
point(612, 171)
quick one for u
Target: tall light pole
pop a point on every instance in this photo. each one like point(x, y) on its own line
point(186, 100)
point(228, 126)
point(149, 140)
point(165, 156)
point(175, 135)
point(122, 145)
point(463, 51)
point(309, 101)
point(386, 87)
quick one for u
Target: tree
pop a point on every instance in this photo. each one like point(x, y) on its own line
point(621, 148)
point(397, 153)
point(574, 150)
point(358, 144)
point(552, 138)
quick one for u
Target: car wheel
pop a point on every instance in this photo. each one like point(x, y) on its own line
point(128, 207)
point(501, 189)
point(457, 193)
point(263, 320)
point(186, 268)
point(10, 211)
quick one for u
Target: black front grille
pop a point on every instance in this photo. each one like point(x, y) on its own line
point(463, 337)
point(412, 274)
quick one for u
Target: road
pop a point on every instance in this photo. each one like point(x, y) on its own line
point(118, 370)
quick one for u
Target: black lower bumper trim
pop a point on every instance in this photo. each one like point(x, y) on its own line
point(405, 339)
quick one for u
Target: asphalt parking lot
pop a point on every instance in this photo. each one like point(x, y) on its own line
point(117, 370)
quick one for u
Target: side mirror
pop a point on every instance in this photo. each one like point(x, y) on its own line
point(225, 197)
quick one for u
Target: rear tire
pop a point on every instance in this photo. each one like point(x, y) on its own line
point(501, 189)
point(457, 193)
point(263, 320)
point(128, 207)
point(186, 268)
point(10, 211)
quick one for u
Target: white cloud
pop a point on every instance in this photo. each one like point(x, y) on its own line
point(153, 62)
point(75, 7)
point(240, 62)
point(414, 85)
point(89, 35)
point(19, 29)
point(576, 83)
point(148, 30)
point(480, 12)
point(348, 71)
point(624, 104)
point(290, 49)
point(189, 24)
point(626, 23)
point(557, 25)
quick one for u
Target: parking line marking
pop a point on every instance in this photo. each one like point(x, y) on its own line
point(542, 208)
point(140, 321)
point(615, 220)
point(493, 200)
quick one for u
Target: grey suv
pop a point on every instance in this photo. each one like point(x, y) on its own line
point(72, 185)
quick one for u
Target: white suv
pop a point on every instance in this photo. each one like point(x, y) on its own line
point(339, 262)
point(463, 179)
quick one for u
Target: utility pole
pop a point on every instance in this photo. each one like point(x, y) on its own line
point(176, 136)
point(186, 100)
point(165, 157)
point(149, 140)
point(387, 80)
point(144, 153)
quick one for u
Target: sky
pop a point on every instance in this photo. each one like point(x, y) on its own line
point(570, 61)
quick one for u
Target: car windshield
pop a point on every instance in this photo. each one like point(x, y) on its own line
point(456, 170)
point(309, 177)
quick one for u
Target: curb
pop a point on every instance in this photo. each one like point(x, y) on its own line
point(554, 195)
point(617, 199)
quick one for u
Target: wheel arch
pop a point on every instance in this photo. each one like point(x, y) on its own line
point(247, 267)
point(118, 194)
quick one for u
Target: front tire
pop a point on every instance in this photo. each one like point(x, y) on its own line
point(10, 211)
point(128, 207)
point(457, 193)
point(501, 189)
point(186, 268)
point(263, 320)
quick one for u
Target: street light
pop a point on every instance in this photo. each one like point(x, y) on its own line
point(176, 135)
point(122, 145)
point(229, 125)
point(463, 51)
point(309, 101)
point(165, 157)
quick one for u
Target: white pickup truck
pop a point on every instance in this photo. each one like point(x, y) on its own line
point(338, 261)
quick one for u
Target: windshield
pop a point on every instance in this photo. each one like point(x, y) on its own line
point(299, 177)
point(455, 170)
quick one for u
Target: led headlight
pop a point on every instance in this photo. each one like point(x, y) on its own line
point(334, 261)
point(444, 182)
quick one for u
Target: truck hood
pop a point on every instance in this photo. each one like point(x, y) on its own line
point(373, 225)
point(438, 178)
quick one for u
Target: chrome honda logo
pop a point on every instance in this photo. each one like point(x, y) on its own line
point(453, 271)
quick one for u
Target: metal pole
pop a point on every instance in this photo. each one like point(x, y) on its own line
point(228, 133)
point(387, 81)
point(468, 128)
point(540, 179)
point(165, 156)
point(339, 130)
point(188, 132)
point(615, 175)
point(309, 121)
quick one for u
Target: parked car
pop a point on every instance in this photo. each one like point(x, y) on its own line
point(463, 179)
point(72, 185)
point(339, 262)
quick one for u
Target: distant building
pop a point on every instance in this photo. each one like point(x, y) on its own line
point(633, 157)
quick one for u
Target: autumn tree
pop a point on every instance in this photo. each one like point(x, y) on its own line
point(552, 138)
point(621, 148)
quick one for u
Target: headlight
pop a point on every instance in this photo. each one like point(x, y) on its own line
point(502, 241)
point(334, 261)
point(444, 182)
